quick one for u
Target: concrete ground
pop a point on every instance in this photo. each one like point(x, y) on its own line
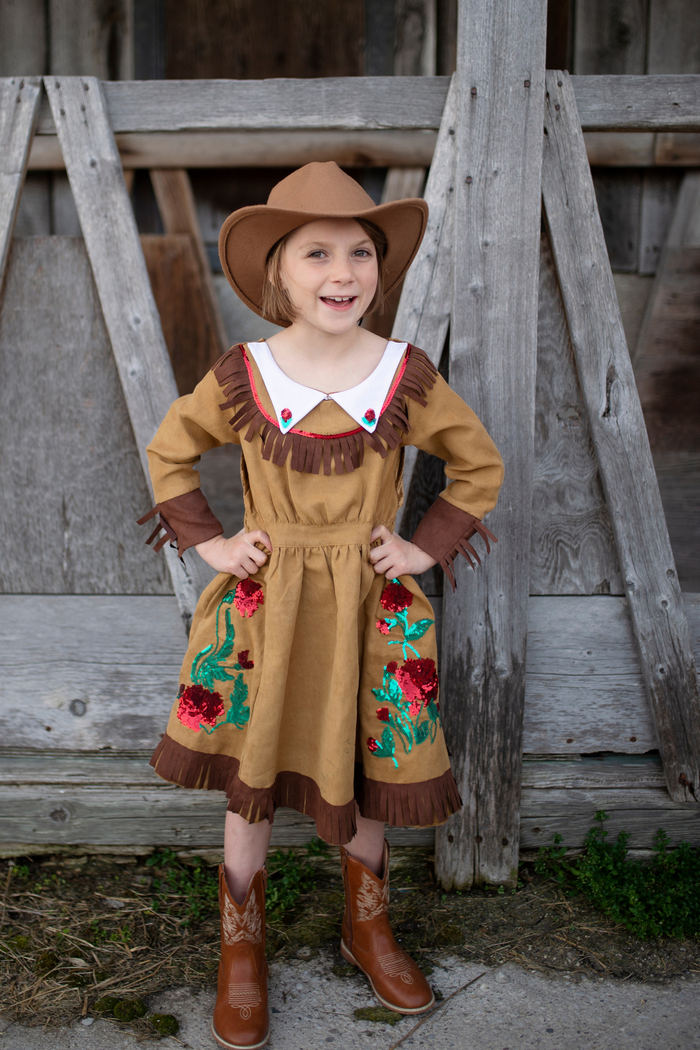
point(503, 1009)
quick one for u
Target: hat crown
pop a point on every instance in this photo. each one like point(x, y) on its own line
point(320, 187)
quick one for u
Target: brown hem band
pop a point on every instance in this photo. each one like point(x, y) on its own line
point(401, 805)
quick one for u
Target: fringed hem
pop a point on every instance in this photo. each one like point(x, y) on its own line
point(311, 451)
point(445, 531)
point(168, 533)
point(423, 805)
point(401, 805)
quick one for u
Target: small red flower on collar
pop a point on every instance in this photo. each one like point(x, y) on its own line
point(286, 415)
point(369, 416)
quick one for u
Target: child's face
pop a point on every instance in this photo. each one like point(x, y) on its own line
point(329, 269)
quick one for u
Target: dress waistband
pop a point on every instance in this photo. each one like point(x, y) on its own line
point(339, 535)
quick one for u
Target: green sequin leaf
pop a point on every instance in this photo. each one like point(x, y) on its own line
point(418, 629)
point(421, 731)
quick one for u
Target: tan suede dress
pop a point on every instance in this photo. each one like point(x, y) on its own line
point(313, 683)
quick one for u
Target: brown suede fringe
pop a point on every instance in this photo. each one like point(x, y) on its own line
point(310, 451)
point(168, 533)
point(401, 805)
point(421, 805)
point(466, 549)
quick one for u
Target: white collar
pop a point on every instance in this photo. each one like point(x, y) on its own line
point(292, 401)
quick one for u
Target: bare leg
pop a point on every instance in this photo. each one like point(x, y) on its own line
point(245, 850)
point(368, 844)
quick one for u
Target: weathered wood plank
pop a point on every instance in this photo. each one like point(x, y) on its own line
point(111, 238)
point(120, 657)
point(73, 487)
point(104, 675)
point(179, 214)
point(236, 149)
point(618, 193)
point(638, 103)
point(610, 37)
point(584, 689)
point(667, 368)
point(610, 772)
point(659, 194)
point(23, 38)
point(423, 314)
point(619, 437)
point(91, 38)
point(571, 813)
point(160, 815)
point(493, 358)
point(605, 103)
point(19, 107)
point(175, 273)
point(674, 40)
point(572, 549)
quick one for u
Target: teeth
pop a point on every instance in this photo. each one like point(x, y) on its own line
point(339, 298)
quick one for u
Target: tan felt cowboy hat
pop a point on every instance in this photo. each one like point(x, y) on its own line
point(316, 191)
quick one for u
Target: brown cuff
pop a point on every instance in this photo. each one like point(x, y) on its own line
point(443, 534)
point(187, 520)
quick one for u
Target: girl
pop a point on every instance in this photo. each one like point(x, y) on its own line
point(310, 677)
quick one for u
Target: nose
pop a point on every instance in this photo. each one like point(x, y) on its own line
point(341, 271)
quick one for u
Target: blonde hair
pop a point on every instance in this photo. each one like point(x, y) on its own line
point(276, 304)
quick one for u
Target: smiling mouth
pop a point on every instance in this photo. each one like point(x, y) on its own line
point(338, 302)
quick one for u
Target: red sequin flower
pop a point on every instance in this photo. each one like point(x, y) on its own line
point(391, 667)
point(243, 662)
point(198, 705)
point(372, 744)
point(395, 597)
point(370, 416)
point(248, 597)
point(414, 708)
point(383, 714)
point(418, 680)
point(383, 626)
point(286, 415)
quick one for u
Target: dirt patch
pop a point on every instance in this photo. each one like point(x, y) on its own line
point(77, 929)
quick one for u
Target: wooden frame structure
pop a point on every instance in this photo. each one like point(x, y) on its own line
point(490, 169)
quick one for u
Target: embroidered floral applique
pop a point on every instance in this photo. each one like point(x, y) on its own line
point(372, 898)
point(286, 417)
point(248, 597)
point(369, 417)
point(200, 704)
point(408, 696)
point(242, 926)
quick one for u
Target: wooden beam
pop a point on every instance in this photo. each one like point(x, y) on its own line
point(112, 242)
point(619, 438)
point(423, 315)
point(605, 103)
point(178, 212)
point(19, 108)
point(493, 356)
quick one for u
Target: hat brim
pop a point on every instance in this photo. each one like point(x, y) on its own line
point(248, 235)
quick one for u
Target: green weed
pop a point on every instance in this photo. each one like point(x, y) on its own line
point(198, 884)
point(289, 875)
point(661, 898)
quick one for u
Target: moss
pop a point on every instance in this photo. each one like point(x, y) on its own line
point(46, 962)
point(344, 970)
point(164, 1024)
point(20, 942)
point(380, 1014)
point(105, 1005)
point(129, 1009)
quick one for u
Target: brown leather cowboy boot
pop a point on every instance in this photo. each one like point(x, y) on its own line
point(367, 940)
point(241, 1020)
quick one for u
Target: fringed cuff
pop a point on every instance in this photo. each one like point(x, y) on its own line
point(186, 520)
point(444, 533)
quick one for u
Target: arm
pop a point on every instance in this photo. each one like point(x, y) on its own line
point(447, 428)
point(193, 425)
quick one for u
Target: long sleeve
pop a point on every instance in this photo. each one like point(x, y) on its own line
point(193, 425)
point(447, 428)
